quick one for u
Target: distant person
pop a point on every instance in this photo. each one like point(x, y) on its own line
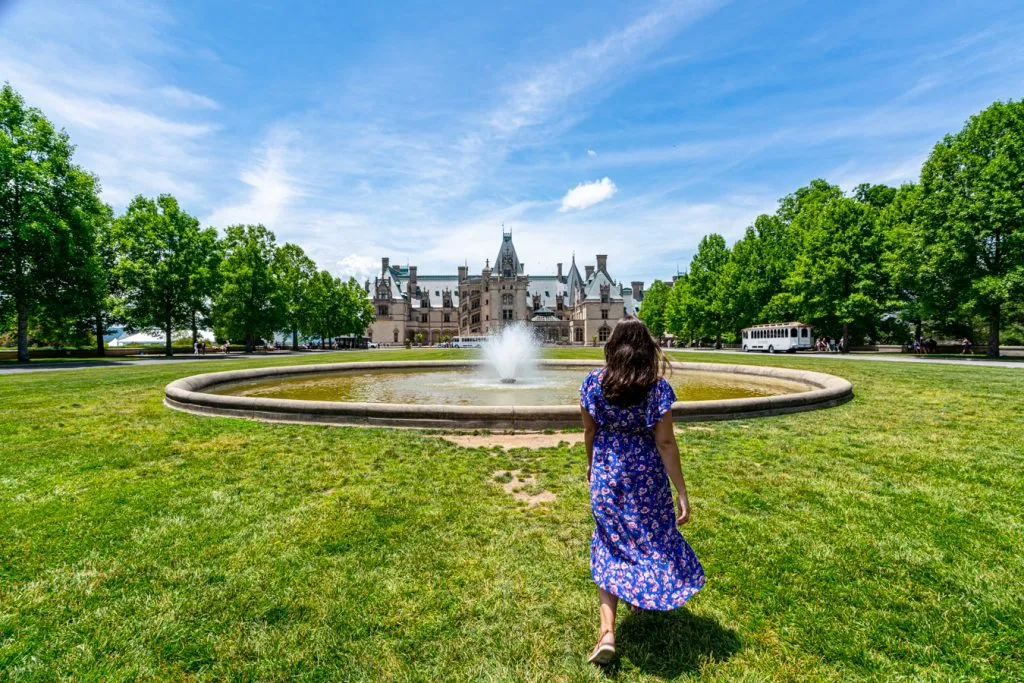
point(195, 348)
point(636, 552)
point(966, 346)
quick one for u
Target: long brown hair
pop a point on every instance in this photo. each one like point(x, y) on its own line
point(634, 362)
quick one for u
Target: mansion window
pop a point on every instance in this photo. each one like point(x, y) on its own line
point(602, 334)
point(423, 317)
point(382, 310)
point(476, 304)
point(604, 314)
point(476, 318)
point(447, 317)
point(604, 298)
point(506, 299)
point(506, 315)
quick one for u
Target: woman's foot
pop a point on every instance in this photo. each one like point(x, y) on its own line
point(604, 651)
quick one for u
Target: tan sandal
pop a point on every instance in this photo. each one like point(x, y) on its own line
point(603, 652)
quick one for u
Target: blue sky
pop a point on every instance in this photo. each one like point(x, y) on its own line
point(415, 130)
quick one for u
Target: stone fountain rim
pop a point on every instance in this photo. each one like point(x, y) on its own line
point(189, 394)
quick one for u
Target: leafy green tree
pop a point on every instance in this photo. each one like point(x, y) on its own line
point(48, 215)
point(205, 282)
point(706, 308)
point(162, 261)
point(878, 196)
point(295, 271)
point(249, 305)
point(652, 309)
point(971, 219)
point(356, 308)
point(836, 280)
point(901, 256)
point(108, 299)
point(678, 309)
point(322, 312)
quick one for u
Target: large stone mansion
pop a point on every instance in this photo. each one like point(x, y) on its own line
point(564, 307)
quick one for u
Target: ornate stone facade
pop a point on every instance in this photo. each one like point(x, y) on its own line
point(566, 308)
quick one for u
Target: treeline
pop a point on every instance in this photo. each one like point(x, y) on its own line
point(70, 269)
point(943, 256)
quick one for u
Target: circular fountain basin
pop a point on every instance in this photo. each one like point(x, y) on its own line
point(459, 395)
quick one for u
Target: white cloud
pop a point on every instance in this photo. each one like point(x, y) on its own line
point(185, 98)
point(271, 187)
point(591, 153)
point(533, 100)
point(91, 72)
point(588, 194)
point(362, 268)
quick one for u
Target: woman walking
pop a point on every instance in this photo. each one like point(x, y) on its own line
point(636, 552)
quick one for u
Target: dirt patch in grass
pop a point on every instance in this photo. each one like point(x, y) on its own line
point(522, 487)
point(515, 440)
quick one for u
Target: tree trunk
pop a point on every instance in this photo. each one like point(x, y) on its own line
point(250, 344)
point(295, 339)
point(846, 337)
point(100, 329)
point(917, 328)
point(22, 332)
point(993, 332)
point(167, 338)
point(195, 328)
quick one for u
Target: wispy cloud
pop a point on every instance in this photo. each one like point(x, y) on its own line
point(270, 188)
point(138, 134)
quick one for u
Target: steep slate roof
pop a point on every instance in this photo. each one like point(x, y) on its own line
point(507, 252)
point(433, 284)
point(592, 287)
point(547, 287)
point(573, 282)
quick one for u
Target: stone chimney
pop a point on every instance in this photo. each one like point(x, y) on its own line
point(463, 273)
point(589, 271)
point(384, 264)
point(602, 263)
point(638, 289)
point(559, 265)
point(412, 280)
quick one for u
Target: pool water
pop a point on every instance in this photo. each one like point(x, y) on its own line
point(469, 386)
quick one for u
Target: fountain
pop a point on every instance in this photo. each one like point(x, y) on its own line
point(511, 353)
point(511, 389)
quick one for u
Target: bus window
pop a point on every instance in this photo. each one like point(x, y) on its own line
point(803, 331)
point(792, 333)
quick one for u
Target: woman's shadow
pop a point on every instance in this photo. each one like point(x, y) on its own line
point(669, 644)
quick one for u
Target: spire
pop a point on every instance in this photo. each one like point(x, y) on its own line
point(507, 263)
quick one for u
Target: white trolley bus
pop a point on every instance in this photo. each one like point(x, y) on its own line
point(788, 337)
point(468, 342)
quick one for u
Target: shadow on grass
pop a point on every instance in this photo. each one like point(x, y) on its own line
point(670, 644)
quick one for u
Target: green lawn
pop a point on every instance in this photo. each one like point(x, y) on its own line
point(879, 539)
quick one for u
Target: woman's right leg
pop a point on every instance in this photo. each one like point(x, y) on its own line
point(606, 639)
point(608, 604)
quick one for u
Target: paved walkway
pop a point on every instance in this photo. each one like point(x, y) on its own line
point(11, 368)
point(8, 368)
point(883, 357)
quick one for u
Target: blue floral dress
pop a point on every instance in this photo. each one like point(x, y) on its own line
point(636, 553)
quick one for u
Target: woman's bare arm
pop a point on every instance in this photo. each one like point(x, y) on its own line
point(665, 436)
point(589, 430)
